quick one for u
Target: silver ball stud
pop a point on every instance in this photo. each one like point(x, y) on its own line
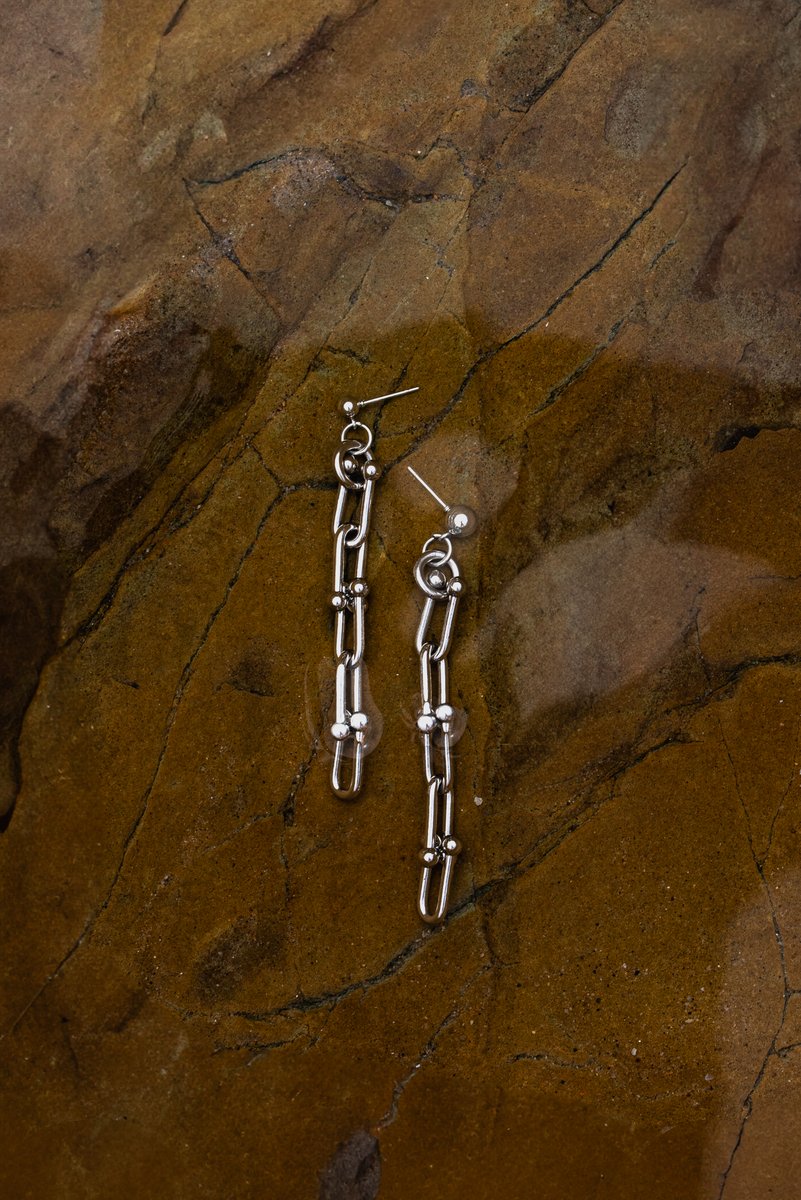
point(455, 587)
point(372, 470)
point(462, 521)
point(426, 722)
point(436, 579)
point(445, 713)
point(359, 721)
point(340, 731)
point(349, 464)
point(339, 601)
point(348, 408)
point(359, 587)
point(429, 857)
point(451, 846)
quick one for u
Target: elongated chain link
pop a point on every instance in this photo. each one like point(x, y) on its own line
point(357, 472)
point(435, 722)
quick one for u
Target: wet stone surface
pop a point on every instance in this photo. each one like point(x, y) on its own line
point(575, 227)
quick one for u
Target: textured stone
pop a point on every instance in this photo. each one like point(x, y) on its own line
point(575, 226)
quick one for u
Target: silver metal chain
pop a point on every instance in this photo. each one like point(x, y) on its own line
point(437, 575)
point(357, 472)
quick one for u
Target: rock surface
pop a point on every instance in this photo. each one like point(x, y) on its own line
point(575, 224)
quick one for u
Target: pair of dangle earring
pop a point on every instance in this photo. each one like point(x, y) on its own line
point(438, 576)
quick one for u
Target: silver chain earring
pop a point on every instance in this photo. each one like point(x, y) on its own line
point(438, 576)
point(357, 472)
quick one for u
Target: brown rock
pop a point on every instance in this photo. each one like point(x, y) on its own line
point(575, 226)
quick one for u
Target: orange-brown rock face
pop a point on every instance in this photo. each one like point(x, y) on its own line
point(577, 227)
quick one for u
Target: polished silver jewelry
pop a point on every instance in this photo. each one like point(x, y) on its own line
point(438, 577)
point(357, 472)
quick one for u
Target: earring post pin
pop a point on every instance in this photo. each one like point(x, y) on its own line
point(389, 396)
point(429, 489)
